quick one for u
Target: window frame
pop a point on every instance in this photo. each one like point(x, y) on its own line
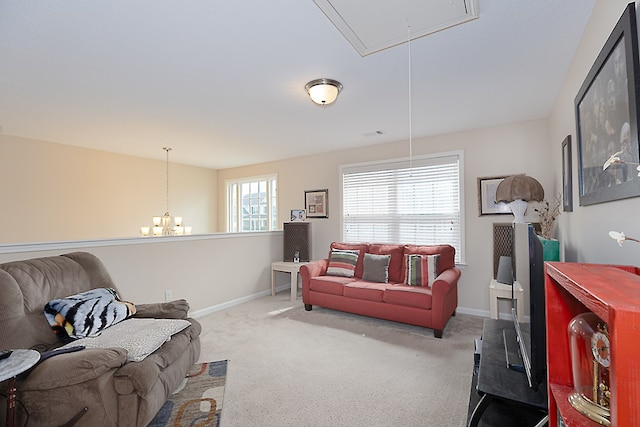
point(271, 210)
point(406, 161)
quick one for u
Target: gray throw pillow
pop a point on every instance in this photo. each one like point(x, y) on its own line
point(376, 268)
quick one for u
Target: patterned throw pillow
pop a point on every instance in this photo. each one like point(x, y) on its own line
point(86, 314)
point(421, 269)
point(342, 263)
point(376, 268)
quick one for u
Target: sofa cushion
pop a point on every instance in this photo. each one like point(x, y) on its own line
point(408, 296)
point(421, 269)
point(365, 290)
point(140, 337)
point(56, 373)
point(396, 263)
point(362, 247)
point(329, 284)
point(342, 263)
point(87, 314)
point(376, 268)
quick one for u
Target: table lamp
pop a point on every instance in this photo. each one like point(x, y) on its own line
point(518, 191)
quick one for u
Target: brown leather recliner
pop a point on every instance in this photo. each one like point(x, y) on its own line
point(113, 391)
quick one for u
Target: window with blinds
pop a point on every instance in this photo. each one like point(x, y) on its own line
point(395, 202)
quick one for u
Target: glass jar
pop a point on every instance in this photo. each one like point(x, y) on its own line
point(590, 361)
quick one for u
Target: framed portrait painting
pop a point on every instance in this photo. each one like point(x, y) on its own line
point(487, 205)
point(607, 118)
point(316, 203)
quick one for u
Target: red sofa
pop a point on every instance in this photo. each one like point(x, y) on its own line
point(430, 307)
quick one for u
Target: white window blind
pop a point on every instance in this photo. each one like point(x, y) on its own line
point(392, 202)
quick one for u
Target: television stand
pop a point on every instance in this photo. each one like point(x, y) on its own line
point(504, 393)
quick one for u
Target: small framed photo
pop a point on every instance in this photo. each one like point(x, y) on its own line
point(487, 205)
point(316, 202)
point(298, 215)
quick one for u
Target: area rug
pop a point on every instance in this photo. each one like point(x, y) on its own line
point(199, 401)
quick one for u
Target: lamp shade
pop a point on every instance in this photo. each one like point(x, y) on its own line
point(519, 187)
point(323, 91)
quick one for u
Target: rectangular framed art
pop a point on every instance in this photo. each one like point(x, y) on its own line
point(607, 118)
point(316, 203)
point(567, 181)
point(487, 205)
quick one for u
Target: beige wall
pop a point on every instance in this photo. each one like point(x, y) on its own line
point(208, 271)
point(584, 232)
point(54, 192)
point(39, 171)
point(505, 150)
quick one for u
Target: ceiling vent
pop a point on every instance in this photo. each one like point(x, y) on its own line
point(374, 25)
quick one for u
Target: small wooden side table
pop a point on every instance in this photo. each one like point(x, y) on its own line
point(293, 268)
point(19, 362)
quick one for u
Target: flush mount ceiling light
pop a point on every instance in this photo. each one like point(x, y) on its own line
point(323, 91)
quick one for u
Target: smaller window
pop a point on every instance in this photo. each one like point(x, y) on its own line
point(251, 204)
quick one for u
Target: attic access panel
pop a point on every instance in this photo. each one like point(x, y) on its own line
point(374, 25)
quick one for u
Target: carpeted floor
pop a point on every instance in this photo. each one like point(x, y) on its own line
point(199, 400)
point(290, 367)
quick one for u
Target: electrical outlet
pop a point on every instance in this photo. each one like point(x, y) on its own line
point(168, 295)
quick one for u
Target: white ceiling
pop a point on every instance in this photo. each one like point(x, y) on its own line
point(222, 82)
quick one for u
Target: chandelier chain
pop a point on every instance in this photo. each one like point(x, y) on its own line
point(167, 149)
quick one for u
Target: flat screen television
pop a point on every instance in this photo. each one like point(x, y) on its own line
point(531, 335)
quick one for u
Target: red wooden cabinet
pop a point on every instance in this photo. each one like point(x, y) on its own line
point(613, 294)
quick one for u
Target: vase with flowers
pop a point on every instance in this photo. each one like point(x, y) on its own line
point(547, 214)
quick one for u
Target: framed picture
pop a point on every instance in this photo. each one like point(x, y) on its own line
point(298, 215)
point(567, 182)
point(606, 118)
point(316, 202)
point(487, 205)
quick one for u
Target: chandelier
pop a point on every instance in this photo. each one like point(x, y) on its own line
point(162, 224)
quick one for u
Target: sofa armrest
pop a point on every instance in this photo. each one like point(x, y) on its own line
point(310, 270)
point(315, 268)
point(444, 292)
point(178, 309)
point(68, 369)
point(445, 281)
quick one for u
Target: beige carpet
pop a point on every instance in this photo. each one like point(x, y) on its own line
point(289, 367)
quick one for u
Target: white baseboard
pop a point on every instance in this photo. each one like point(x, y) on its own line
point(472, 311)
point(485, 313)
point(233, 303)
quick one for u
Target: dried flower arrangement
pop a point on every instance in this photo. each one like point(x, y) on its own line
point(547, 213)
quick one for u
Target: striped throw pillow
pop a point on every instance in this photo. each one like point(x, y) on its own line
point(422, 270)
point(342, 263)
